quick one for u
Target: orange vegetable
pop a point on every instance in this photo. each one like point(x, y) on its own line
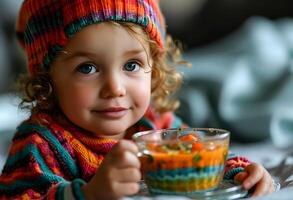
point(151, 146)
point(188, 138)
point(197, 146)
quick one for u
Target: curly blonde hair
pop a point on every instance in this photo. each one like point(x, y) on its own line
point(38, 94)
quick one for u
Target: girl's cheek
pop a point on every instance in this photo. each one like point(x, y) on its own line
point(82, 96)
point(87, 97)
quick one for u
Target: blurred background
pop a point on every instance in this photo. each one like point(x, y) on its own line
point(241, 78)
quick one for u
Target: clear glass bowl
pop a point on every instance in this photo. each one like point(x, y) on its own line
point(185, 161)
point(227, 190)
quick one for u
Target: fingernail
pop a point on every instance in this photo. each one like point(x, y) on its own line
point(246, 185)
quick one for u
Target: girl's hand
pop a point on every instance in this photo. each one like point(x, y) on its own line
point(255, 175)
point(118, 175)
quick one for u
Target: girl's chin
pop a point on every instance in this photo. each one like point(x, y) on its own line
point(110, 135)
point(116, 137)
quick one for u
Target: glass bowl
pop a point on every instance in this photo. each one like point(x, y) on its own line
point(183, 161)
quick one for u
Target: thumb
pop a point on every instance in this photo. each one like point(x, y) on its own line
point(240, 176)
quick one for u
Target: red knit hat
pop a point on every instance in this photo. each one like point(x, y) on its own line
point(45, 26)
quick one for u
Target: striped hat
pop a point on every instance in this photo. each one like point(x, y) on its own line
point(45, 26)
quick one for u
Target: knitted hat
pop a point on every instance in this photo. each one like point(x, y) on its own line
point(45, 26)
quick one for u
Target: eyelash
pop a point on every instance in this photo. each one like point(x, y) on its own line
point(79, 67)
point(133, 62)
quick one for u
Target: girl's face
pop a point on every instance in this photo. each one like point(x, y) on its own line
point(103, 80)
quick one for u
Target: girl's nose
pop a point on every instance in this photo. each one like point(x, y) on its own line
point(113, 86)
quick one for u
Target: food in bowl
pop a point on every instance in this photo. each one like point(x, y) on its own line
point(182, 161)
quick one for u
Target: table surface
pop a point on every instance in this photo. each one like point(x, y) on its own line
point(283, 194)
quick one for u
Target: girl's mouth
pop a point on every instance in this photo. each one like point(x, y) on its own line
point(112, 112)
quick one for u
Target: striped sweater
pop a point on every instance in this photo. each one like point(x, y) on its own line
point(50, 161)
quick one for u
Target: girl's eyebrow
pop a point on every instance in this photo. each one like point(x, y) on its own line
point(69, 55)
point(133, 52)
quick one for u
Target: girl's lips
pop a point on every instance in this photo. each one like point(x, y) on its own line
point(112, 109)
point(112, 113)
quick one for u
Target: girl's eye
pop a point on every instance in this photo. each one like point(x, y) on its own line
point(132, 66)
point(87, 68)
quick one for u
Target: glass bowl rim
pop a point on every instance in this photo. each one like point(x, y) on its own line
point(223, 133)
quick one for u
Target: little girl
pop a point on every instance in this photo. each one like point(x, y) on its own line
point(98, 72)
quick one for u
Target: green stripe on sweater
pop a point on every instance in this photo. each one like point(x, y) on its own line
point(62, 153)
point(41, 182)
point(60, 190)
point(12, 161)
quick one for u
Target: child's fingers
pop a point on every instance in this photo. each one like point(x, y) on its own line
point(126, 189)
point(263, 186)
point(128, 175)
point(124, 159)
point(255, 174)
point(123, 155)
point(126, 145)
point(240, 176)
point(272, 186)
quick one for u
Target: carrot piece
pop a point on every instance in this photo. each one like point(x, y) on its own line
point(151, 146)
point(197, 146)
point(188, 138)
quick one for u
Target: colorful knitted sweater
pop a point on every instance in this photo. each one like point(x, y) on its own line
point(48, 161)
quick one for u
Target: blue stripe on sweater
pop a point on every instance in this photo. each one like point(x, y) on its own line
point(45, 180)
point(13, 160)
point(62, 154)
point(60, 191)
